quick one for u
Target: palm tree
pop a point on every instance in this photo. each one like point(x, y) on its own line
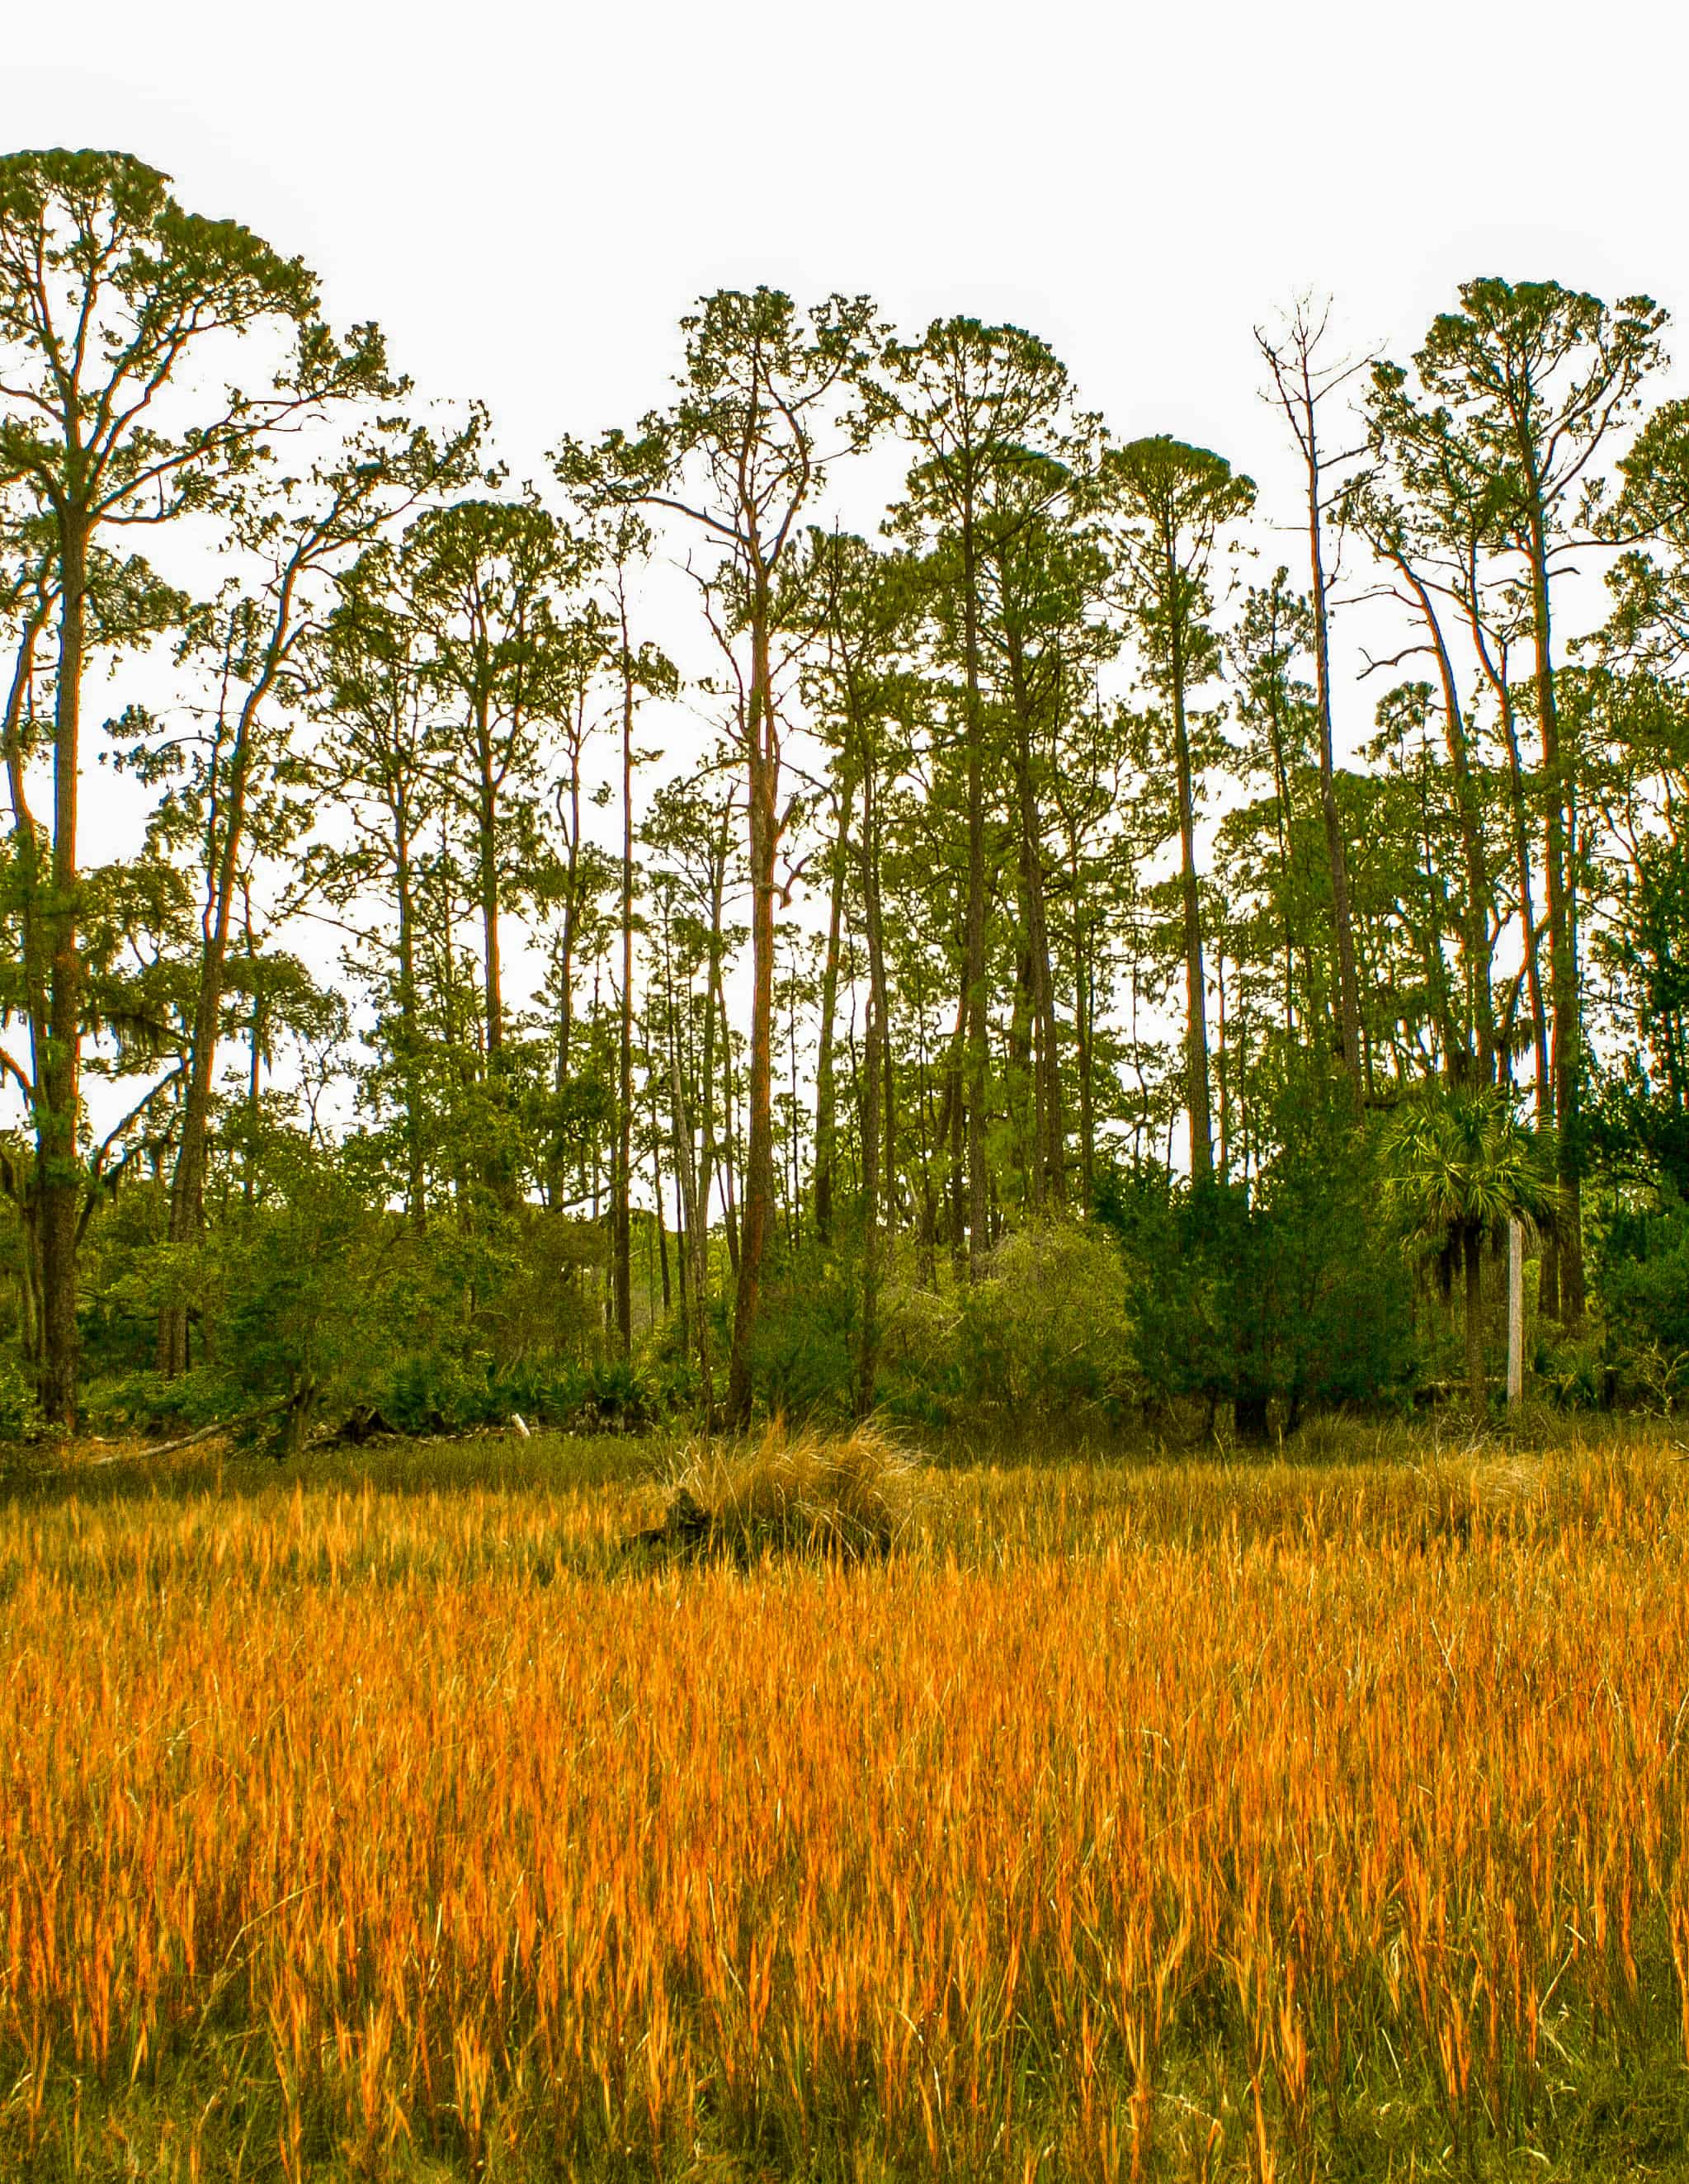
point(1459, 1165)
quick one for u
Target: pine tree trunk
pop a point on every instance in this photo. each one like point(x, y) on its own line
point(1480, 892)
point(825, 1094)
point(59, 1175)
point(621, 1215)
point(487, 850)
point(416, 1204)
point(1196, 1012)
point(1348, 984)
point(1050, 1134)
point(759, 1187)
point(26, 849)
point(187, 1191)
point(1566, 1058)
point(867, 1350)
point(730, 1144)
point(974, 977)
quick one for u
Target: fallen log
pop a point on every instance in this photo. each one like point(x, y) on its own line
point(190, 1441)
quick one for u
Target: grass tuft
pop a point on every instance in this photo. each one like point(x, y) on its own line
point(847, 1497)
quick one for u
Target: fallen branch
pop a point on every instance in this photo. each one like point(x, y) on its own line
point(205, 1433)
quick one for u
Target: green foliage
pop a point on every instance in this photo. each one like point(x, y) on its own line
point(1644, 1280)
point(306, 1296)
point(318, 1295)
point(1043, 1334)
point(1572, 1371)
point(1294, 1291)
point(1047, 1334)
point(1460, 1161)
point(803, 1354)
point(443, 1391)
point(386, 711)
point(19, 1408)
point(1291, 1291)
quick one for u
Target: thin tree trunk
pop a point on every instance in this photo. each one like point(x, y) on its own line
point(695, 1245)
point(187, 1191)
point(1475, 941)
point(59, 1184)
point(565, 977)
point(487, 848)
point(867, 1351)
point(1049, 1128)
point(1566, 1060)
point(1348, 987)
point(622, 1214)
point(26, 840)
point(758, 1189)
point(1283, 819)
point(1221, 1062)
point(975, 970)
point(256, 1030)
point(1293, 375)
point(1548, 1276)
point(657, 1209)
point(826, 1096)
point(930, 1138)
point(1196, 1011)
point(707, 1159)
point(729, 1144)
point(1085, 974)
point(416, 1201)
point(956, 1100)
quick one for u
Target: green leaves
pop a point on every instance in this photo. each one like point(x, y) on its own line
point(1520, 387)
point(741, 448)
point(1169, 502)
point(106, 284)
point(1460, 1160)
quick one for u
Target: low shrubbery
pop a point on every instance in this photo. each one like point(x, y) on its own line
point(1164, 1311)
point(1047, 1335)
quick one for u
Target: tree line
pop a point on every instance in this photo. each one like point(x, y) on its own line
point(880, 977)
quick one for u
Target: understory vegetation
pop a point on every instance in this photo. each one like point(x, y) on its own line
point(402, 1814)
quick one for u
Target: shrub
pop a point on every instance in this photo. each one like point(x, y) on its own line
point(1642, 1277)
point(1289, 1289)
point(20, 1411)
point(803, 1354)
point(1048, 1329)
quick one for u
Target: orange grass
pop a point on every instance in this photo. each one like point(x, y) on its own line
point(1177, 1823)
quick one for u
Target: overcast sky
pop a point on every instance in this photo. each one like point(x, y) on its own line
point(527, 197)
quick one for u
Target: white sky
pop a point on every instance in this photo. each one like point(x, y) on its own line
point(527, 198)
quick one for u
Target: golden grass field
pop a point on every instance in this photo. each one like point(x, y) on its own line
point(1127, 1822)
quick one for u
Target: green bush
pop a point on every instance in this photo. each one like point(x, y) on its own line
point(1288, 1292)
point(1048, 1329)
point(1642, 1277)
point(20, 1411)
point(804, 1352)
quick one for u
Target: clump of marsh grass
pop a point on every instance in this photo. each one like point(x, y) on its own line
point(845, 1497)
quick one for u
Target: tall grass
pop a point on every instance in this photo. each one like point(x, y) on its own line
point(1184, 1822)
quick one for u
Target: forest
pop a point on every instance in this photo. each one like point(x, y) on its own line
point(857, 891)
